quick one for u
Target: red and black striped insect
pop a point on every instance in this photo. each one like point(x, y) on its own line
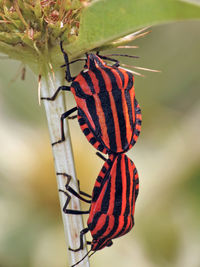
point(111, 213)
point(108, 112)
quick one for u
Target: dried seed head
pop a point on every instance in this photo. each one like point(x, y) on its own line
point(38, 25)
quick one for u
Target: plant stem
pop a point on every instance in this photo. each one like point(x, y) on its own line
point(64, 163)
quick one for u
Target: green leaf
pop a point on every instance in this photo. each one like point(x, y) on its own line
point(107, 20)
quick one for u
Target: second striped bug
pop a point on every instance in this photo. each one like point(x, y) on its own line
point(111, 213)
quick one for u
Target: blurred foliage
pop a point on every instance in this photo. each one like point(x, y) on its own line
point(167, 156)
point(127, 16)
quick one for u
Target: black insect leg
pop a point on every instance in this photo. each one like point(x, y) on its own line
point(60, 88)
point(67, 176)
point(64, 116)
point(76, 60)
point(72, 191)
point(82, 233)
point(83, 193)
point(101, 156)
point(72, 117)
point(68, 76)
point(69, 211)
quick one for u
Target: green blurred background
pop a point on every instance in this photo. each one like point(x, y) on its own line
point(167, 228)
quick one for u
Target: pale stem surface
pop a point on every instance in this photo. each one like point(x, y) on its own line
point(63, 159)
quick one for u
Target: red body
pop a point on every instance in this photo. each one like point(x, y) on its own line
point(113, 201)
point(108, 112)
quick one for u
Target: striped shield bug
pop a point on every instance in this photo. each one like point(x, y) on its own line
point(108, 112)
point(111, 212)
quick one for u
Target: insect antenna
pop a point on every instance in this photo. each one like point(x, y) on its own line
point(82, 258)
point(92, 253)
point(79, 59)
point(122, 55)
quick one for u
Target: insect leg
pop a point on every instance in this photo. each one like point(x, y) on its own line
point(64, 116)
point(101, 156)
point(79, 59)
point(82, 233)
point(83, 193)
point(68, 76)
point(60, 88)
point(69, 211)
point(72, 117)
point(72, 191)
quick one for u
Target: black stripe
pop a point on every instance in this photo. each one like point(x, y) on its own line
point(130, 81)
point(138, 121)
point(97, 190)
point(95, 194)
point(103, 229)
point(106, 106)
point(88, 80)
point(135, 171)
point(106, 197)
point(122, 232)
point(133, 189)
point(95, 219)
point(90, 102)
point(121, 76)
point(114, 229)
point(118, 189)
point(95, 133)
point(100, 147)
point(129, 190)
point(78, 90)
point(136, 194)
point(130, 111)
point(136, 183)
point(138, 110)
point(131, 225)
point(86, 131)
point(104, 170)
point(133, 220)
point(117, 95)
point(102, 242)
point(110, 162)
point(81, 121)
point(99, 179)
point(93, 140)
point(137, 133)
